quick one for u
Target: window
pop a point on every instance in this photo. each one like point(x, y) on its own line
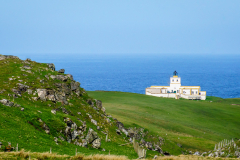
point(177, 91)
point(177, 80)
point(196, 92)
point(172, 80)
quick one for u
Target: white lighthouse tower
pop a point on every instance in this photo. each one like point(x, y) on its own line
point(175, 83)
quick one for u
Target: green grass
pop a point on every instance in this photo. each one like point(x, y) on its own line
point(23, 128)
point(197, 125)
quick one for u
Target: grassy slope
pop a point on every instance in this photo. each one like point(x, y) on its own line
point(197, 125)
point(15, 126)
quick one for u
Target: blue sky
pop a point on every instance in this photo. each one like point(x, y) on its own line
point(120, 27)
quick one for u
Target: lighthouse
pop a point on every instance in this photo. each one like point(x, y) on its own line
point(176, 90)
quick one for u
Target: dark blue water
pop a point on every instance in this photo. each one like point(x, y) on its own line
point(219, 75)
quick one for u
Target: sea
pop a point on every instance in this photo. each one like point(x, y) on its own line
point(218, 75)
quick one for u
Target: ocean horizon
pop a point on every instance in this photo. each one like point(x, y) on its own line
point(218, 75)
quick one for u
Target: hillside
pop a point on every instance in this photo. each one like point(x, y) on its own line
point(194, 125)
point(42, 109)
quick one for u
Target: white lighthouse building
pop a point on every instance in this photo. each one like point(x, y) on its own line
point(175, 90)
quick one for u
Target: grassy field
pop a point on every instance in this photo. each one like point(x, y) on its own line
point(196, 125)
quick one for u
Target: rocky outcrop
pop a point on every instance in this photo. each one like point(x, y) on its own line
point(51, 66)
point(6, 102)
point(42, 93)
point(2, 57)
point(61, 71)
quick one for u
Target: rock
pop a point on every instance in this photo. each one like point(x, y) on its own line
point(79, 113)
point(70, 77)
point(35, 98)
point(42, 93)
point(99, 104)
point(108, 120)
point(125, 131)
point(94, 122)
point(211, 155)
point(53, 77)
point(6, 102)
point(149, 145)
point(61, 71)
point(197, 153)
point(84, 143)
point(155, 157)
point(65, 111)
point(74, 135)
point(51, 98)
point(27, 67)
point(96, 143)
point(55, 139)
point(29, 91)
point(103, 109)
point(89, 116)
point(22, 109)
point(120, 125)
point(103, 150)
point(216, 154)
point(53, 111)
point(22, 87)
point(158, 149)
point(29, 71)
point(62, 78)
point(75, 85)
point(46, 128)
point(204, 154)
point(89, 101)
point(91, 135)
point(118, 131)
point(28, 59)
point(51, 66)
point(98, 128)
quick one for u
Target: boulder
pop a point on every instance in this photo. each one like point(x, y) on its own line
point(22, 109)
point(74, 85)
point(51, 66)
point(61, 71)
point(91, 135)
point(62, 78)
point(70, 76)
point(99, 104)
point(53, 111)
point(27, 67)
point(53, 77)
point(89, 101)
point(118, 131)
point(96, 143)
point(22, 87)
point(42, 93)
point(6, 102)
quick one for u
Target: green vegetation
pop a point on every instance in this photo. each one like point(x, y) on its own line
point(25, 129)
point(196, 125)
